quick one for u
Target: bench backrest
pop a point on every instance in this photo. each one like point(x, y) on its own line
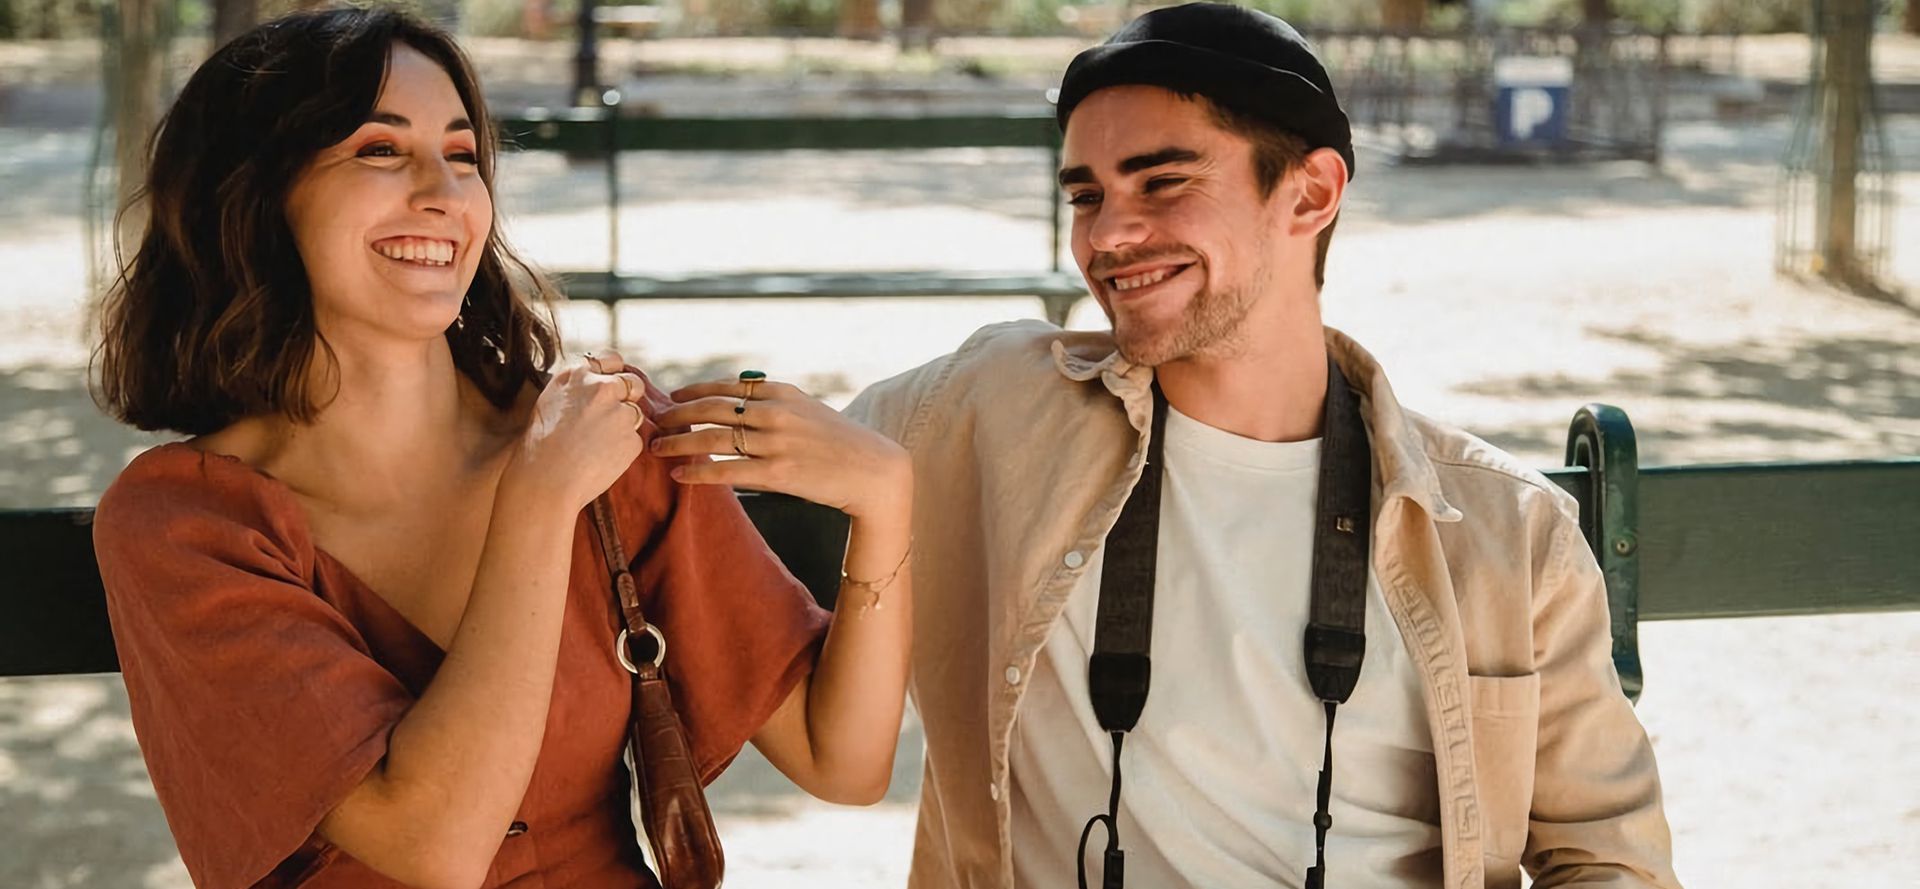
point(1674, 542)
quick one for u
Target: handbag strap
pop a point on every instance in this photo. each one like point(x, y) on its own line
point(626, 592)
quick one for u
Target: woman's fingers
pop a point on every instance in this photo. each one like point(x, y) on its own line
point(763, 390)
point(722, 411)
point(604, 361)
point(751, 474)
point(716, 441)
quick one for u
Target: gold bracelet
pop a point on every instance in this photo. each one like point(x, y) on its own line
point(873, 588)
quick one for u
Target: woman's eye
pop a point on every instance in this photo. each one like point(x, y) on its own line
point(379, 149)
point(464, 157)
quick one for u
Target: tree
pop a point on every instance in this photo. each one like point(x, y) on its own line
point(860, 19)
point(137, 89)
point(1913, 17)
point(1403, 15)
point(916, 24)
point(1596, 12)
point(1848, 76)
point(231, 18)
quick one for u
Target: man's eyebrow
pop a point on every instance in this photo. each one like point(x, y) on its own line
point(394, 120)
point(1158, 158)
point(1083, 175)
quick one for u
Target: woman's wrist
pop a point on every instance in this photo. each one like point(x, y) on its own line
point(888, 498)
point(523, 494)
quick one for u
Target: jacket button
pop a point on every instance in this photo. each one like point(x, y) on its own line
point(1013, 675)
point(516, 828)
point(1075, 559)
point(993, 790)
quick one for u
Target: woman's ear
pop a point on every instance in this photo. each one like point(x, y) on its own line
point(1322, 185)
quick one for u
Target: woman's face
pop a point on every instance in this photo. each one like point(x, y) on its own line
point(391, 222)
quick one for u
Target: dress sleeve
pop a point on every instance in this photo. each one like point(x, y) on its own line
point(256, 703)
point(741, 631)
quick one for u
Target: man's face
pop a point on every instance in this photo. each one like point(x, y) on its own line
point(1169, 225)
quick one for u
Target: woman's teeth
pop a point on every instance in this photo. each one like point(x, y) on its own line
point(421, 251)
point(1145, 278)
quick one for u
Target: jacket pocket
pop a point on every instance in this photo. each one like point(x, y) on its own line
point(1506, 722)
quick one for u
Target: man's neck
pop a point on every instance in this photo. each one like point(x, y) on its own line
point(1272, 388)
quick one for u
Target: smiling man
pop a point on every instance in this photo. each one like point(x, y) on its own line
point(1209, 551)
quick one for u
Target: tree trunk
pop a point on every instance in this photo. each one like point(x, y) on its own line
point(1596, 12)
point(232, 18)
point(1403, 15)
point(860, 19)
point(916, 24)
point(1848, 66)
point(1913, 17)
point(138, 92)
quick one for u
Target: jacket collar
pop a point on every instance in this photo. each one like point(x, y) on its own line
point(1399, 451)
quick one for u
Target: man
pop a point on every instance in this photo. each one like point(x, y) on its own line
point(1200, 511)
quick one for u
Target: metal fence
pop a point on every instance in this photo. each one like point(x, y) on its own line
point(1511, 93)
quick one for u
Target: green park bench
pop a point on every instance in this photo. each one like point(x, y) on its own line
point(1675, 542)
point(604, 133)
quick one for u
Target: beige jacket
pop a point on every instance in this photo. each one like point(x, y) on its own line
point(1027, 441)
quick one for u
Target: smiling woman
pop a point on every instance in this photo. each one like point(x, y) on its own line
point(365, 617)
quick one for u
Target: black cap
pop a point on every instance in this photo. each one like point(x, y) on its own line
point(1248, 61)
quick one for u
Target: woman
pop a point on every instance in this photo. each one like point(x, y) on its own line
point(366, 633)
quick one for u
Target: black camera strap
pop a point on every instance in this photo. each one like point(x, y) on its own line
point(1119, 672)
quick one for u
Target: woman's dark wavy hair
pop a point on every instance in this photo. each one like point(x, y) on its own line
point(212, 321)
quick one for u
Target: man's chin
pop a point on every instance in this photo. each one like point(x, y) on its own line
point(1144, 348)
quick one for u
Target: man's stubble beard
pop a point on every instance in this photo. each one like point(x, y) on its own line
point(1210, 326)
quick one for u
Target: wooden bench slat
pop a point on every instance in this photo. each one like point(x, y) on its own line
point(53, 612)
point(56, 610)
point(596, 286)
point(583, 131)
point(1712, 542)
point(1776, 539)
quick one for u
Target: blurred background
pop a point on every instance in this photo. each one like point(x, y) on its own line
point(1706, 212)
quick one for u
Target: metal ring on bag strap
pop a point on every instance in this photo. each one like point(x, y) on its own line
point(659, 648)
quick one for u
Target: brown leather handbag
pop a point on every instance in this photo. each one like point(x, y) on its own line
point(670, 814)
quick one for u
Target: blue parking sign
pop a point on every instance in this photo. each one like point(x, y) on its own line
point(1531, 98)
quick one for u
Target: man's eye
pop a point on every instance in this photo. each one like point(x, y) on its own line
point(1084, 199)
point(1159, 182)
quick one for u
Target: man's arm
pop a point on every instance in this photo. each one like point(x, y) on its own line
point(1596, 818)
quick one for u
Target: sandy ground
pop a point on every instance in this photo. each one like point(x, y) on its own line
point(1499, 299)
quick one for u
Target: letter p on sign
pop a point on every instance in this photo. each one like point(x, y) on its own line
point(1531, 107)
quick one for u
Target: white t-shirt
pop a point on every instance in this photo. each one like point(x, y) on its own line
point(1220, 774)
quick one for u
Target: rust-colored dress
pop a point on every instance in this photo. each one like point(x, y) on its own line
point(265, 678)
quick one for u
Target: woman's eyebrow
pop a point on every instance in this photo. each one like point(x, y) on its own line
point(394, 120)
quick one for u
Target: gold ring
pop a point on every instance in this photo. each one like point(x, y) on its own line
point(740, 440)
point(639, 416)
point(629, 381)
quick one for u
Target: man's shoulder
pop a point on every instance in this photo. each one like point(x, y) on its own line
point(1030, 345)
point(1476, 475)
point(1017, 356)
point(999, 366)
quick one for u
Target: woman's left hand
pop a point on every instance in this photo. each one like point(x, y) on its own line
point(789, 442)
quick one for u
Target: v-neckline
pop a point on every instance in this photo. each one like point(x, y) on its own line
point(362, 589)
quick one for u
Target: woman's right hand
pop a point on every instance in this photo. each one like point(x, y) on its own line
point(587, 427)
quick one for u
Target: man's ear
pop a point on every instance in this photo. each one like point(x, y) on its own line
point(1321, 186)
